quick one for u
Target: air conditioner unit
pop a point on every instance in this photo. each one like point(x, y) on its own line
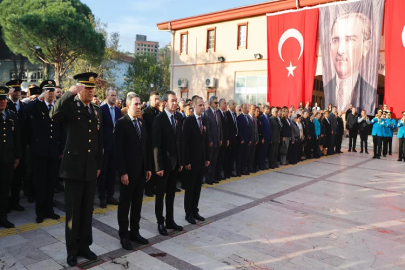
point(182, 83)
point(210, 82)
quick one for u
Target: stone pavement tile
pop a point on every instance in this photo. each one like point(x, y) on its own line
point(189, 256)
point(144, 261)
point(109, 220)
point(12, 240)
point(313, 169)
point(58, 232)
point(211, 194)
point(39, 238)
point(97, 249)
point(118, 264)
point(309, 263)
point(384, 164)
point(56, 251)
point(45, 265)
point(106, 241)
point(9, 262)
point(26, 254)
point(346, 159)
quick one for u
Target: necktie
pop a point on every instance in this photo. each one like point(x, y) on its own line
point(234, 117)
point(16, 106)
point(173, 123)
point(215, 114)
point(88, 109)
point(247, 120)
point(200, 123)
point(137, 129)
point(341, 91)
point(50, 107)
point(112, 112)
point(236, 124)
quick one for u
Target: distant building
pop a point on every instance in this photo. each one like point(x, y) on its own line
point(143, 46)
point(122, 63)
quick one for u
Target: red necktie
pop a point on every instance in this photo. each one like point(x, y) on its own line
point(199, 121)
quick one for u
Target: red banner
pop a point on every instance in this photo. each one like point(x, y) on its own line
point(394, 56)
point(291, 40)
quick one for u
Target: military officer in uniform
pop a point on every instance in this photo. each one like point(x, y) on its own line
point(15, 105)
point(10, 153)
point(46, 149)
point(81, 162)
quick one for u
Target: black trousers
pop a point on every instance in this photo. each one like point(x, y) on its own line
point(29, 180)
point(210, 173)
point(79, 200)
point(130, 198)
point(401, 154)
point(220, 161)
point(377, 145)
point(308, 147)
point(315, 147)
point(331, 149)
point(241, 163)
point(6, 173)
point(106, 179)
point(273, 153)
point(150, 186)
point(389, 145)
point(263, 154)
point(258, 154)
point(352, 138)
point(45, 175)
point(363, 139)
point(166, 185)
point(16, 185)
point(338, 143)
point(230, 158)
point(193, 188)
point(251, 156)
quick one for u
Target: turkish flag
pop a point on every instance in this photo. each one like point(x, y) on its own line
point(394, 56)
point(291, 41)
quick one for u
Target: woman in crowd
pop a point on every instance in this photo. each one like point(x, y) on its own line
point(317, 138)
point(285, 135)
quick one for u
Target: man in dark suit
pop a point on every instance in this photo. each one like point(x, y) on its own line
point(166, 140)
point(333, 128)
point(225, 141)
point(131, 149)
point(265, 124)
point(148, 114)
point(106, 180)
point(215, 137)
point(348, 86)
point(352, 125)
point(10, 153)
point(81, 163)
point(254, 138)
point(244, 141)
point(274, 139)
point(339, 133)
point(231, 152)
point(195, 159)
point(46, 150)
point(15, 105)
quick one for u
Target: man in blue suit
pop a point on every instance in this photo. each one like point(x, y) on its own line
point(265, 123)
point(106, 180)
point(401, 137)
point(243, 140)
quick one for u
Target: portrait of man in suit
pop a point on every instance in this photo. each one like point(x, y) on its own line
point(350, 43)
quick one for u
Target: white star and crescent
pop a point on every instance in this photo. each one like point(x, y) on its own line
point(403, 36)
point(291, 33)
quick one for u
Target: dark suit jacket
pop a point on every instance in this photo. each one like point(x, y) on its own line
point(286, 129)
point(364, 94)
point(148, 114)
point(83, 153)
point(23, 122)
point(166, 143)
point(10, 148)
point(108, 125)
point(254, 134)
point(194, 145)
point(232, 127)
point(340, 126)
point(225, 130)
point(47, 139)
point(333, 122)
point(131, 154)
point(265, 126)
point(244, 129)
point(274, 130)
point(215, 129)
point(327, 127)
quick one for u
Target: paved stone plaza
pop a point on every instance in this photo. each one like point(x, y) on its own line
point(341, 212)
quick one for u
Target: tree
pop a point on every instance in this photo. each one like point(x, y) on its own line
point(53, 31)
point(144, 71)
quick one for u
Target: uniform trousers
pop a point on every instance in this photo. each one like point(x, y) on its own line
point(45, 174)
point(377, 145)
point(16, 185)
point(389, 140)
point(130, 198)
point(401, 154)
point(384, 141)
point(6, 172)
point(29, 187)
point(106, 179)
point(231, 156)
point(166, 185)
point(363, 139)
point(193, 188)
point(79, 200)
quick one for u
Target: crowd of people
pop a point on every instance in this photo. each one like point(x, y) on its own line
point(49, 137)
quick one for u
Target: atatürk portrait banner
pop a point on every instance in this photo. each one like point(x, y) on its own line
point(350, 37)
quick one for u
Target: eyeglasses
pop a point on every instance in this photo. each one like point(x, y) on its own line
point(216, 102)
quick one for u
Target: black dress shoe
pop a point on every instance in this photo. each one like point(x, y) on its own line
point(374, 156)
point(354, 150)
point(89, 255)
point(162, 230)
point(173, 226)
point(112, 201)
point(59, 187)
point(233, 175)
point(239, 175)
point(18, 207)
point(52, 216)
point(39, 219)
point(384, 155)
point(31, 198)
point(72, 261)
point(6, 224)
point(198, 217)
point(400, 159)
point(366, 152)
point(178, 190)
point(139, 239)
point(361, 151)
point(349, 150)
point(126, 244)
point(276, 166)
point(223, 178)
point(190, 219)
point(378, 157)
point(149, 193)
point(103, 203)
point(272, 168)
point(209, 183)
point(215, 182)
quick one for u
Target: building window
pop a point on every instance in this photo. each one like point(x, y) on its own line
point(210, 93)
point(184, 42)
point(211, 39)
point(251, 89)
point(242, 35)
point(184, 93)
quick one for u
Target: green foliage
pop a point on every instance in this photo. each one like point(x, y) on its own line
point(56, 32)
point(144, 71)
